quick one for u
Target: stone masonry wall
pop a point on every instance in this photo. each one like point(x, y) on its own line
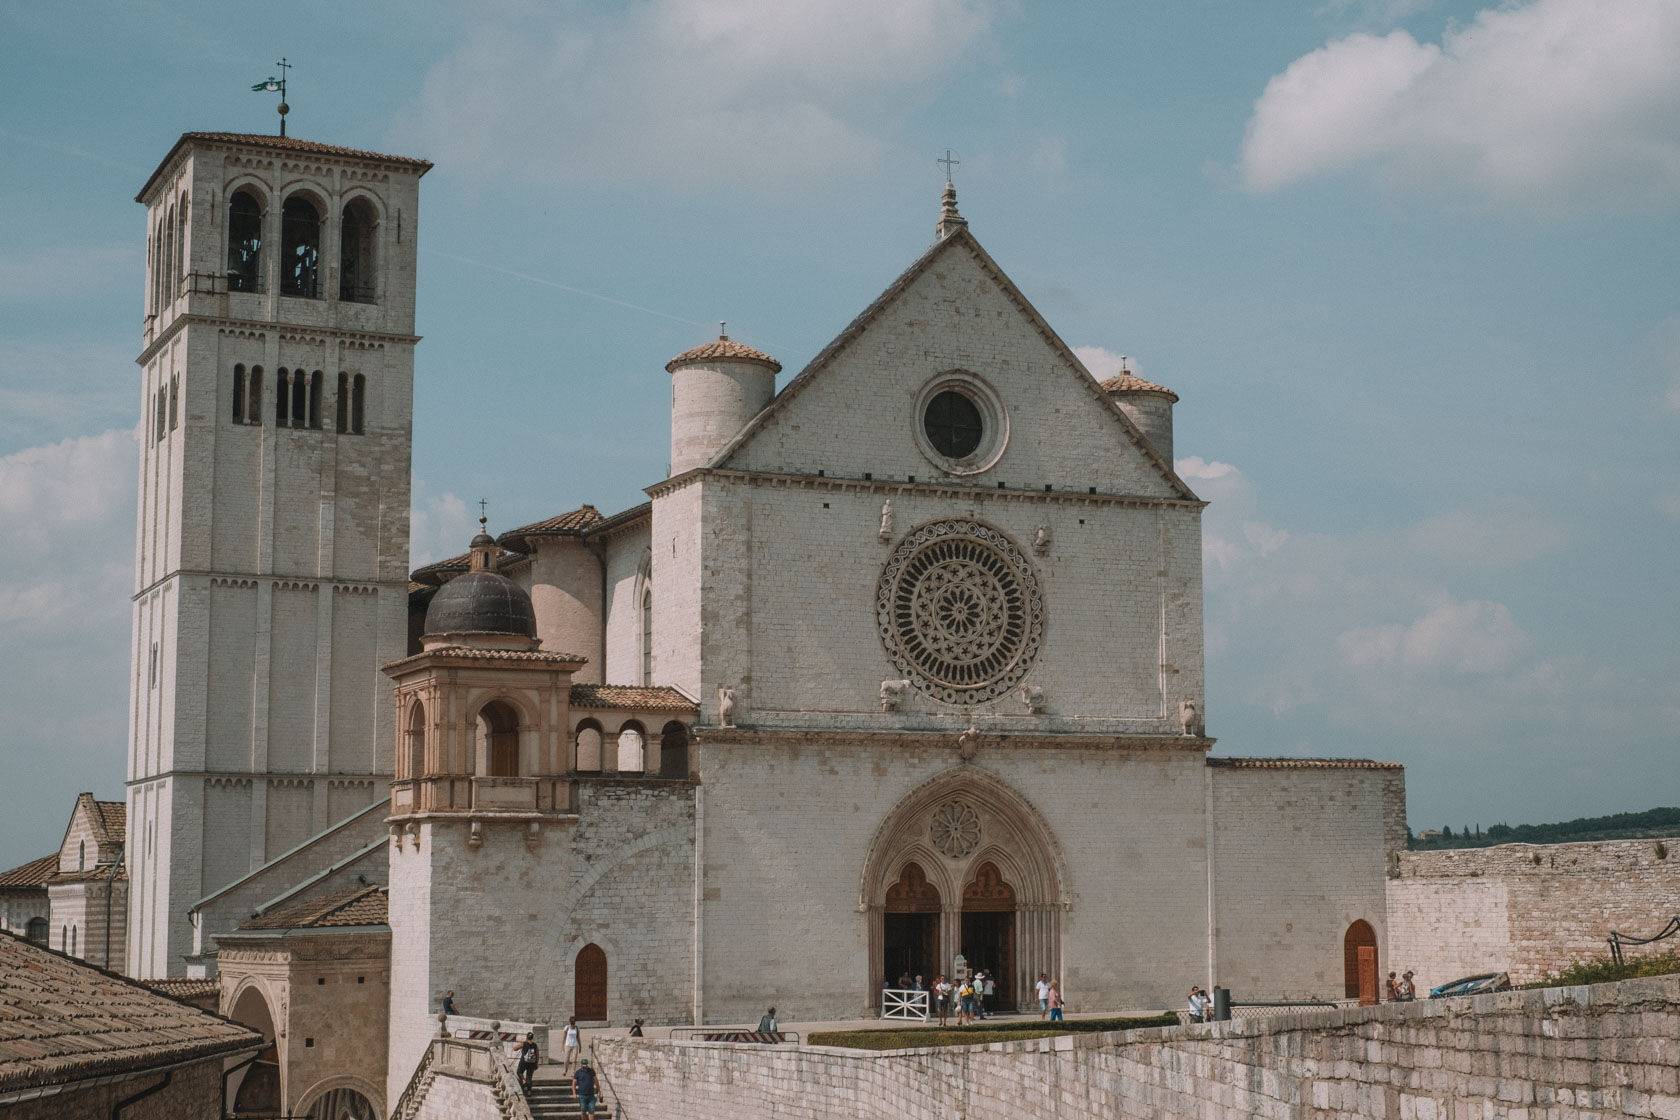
point(1577, 1053)
point(1528, 909)
point(193, 1093)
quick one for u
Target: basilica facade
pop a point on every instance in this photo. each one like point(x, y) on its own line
point(901, 663)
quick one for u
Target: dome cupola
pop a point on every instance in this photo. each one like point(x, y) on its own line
point(481, 607)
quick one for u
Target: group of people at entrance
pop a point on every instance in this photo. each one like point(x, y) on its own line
point(573, 1064)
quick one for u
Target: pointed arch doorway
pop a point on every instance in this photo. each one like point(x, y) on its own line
point(988, 930)
point(910, 927)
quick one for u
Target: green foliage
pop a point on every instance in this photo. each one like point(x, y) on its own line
point(1618, 826)
point(906, 1038)
point(1603, 970)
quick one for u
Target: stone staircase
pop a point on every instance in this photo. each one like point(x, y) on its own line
point(553, 1098)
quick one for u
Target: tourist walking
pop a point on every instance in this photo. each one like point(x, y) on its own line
point(573, 1043)
point(1198, 1006)
point(636, 1029)
point(1055, 1001)
point(449, 1003)
point(1393, 989)
point(988, 991)
point(1042, 991)
point(529, 1056)
point(965, 1011)
point(584, 1081)
point(767, 1022)
point(1408, 990)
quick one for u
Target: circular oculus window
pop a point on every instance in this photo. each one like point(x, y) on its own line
point(959, 611)
point(961, 426)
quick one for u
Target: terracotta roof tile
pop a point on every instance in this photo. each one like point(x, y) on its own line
point(656, 698)
point(278, 143)
point(441, 571)
point(354, 906)
point(112, 817)
point(32, 874)
point(574, 524)
point(182, 987)
point(1302, 764)
point(1126, 383)
point(97, 873)
point(62, 1020)
point(471, 653)
point(722, 350)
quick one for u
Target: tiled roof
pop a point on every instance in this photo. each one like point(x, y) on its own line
point(97, 873)
point(472, 653)
point(279, 143)
point(722, 350)
point(642, 697)
point(634, 513)
point(62, 1020)
point(181, 987)
point(439, 571)
point(1126, 383)
point(110, 820)
point(32, 874)
point(1303, 764)
point(573, 524)
point(354, 906)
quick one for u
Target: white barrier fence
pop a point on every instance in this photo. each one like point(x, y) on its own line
point(904, 1003)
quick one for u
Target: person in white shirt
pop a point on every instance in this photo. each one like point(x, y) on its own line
point(574, 1045)
point(942, 998)
point(1042, 990)
point(1198, 1005)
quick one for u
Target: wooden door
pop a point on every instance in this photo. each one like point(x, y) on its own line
point(1359, 963)
point(1367, 975)
point(589, 998)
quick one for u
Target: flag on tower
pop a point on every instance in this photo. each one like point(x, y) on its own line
point(270, 86)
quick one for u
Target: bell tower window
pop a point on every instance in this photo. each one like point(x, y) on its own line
point(244, 242)
point(355, 254)
point(300, 248)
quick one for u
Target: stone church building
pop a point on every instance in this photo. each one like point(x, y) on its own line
point(901, 662)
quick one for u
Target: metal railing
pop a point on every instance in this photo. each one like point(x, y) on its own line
point(1617, 940)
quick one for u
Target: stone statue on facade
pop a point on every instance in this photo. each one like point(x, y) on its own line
point(893, 694)
point(1188, 719)
point(726, 706)
point(1042, 536)
point(968, 744)
point(1032, 696)
point(886, 530)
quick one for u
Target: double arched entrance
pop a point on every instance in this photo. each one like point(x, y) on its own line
point(964, 866)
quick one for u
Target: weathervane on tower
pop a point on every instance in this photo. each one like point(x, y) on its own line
point(277, 85)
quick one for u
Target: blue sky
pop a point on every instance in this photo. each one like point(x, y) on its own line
point(1409, 264)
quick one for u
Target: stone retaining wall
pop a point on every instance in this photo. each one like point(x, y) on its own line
point(1526, 909)
point(1609, 1050)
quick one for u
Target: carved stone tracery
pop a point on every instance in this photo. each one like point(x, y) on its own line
point(959, 611)
point(955, 830)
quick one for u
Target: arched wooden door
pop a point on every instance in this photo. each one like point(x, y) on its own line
point(910, 928)
point(589, 978)
point(1359, 963)
point(988, 930)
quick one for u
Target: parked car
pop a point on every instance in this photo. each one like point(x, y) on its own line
point(1473, 985)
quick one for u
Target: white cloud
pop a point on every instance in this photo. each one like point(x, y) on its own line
point(438, 527)
point(54, 493)
point(1557, 105)
point(741, 92)
point(1473, 637)
point(1105, 363)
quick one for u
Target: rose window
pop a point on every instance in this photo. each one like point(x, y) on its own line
point(959, 611)
point(956, 829)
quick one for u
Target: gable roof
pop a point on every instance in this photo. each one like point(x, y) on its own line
point(573, 524)
point(353, 906)
point(647, 698)
point(62, 1020)
point(110, 820)
point(965, 240)
point(31, 874)
point(439, 572)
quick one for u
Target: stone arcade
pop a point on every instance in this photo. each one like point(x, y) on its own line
point(900, 662)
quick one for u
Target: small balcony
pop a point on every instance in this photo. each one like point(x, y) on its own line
point(465, 793)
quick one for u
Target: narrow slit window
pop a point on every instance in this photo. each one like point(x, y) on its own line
point(343, 403)
point(159, 408)
point(300, 398)
point(358, 400)
point(174, 397)
point(282, 396)
point(169, 257)
point(300, 248)
point(239, 394)
point(315, 399)
point(244, 242)
point(254, 397)
point(177, 281)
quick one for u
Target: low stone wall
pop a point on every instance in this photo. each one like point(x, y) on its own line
point(1526, 909)
point(1610, 1050)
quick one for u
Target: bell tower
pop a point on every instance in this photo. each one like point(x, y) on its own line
point(271, 557)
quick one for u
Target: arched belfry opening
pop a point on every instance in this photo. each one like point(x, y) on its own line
point(498, 728)
point(964, 864)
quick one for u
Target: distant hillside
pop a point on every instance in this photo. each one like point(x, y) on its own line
point(1618, 826)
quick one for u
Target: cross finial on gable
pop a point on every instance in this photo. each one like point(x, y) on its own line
point(949, 161)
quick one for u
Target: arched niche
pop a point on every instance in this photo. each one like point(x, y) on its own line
point(980, 842)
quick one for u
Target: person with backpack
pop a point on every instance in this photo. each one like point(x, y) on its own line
point(584, 1081)
point(529, 1057)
